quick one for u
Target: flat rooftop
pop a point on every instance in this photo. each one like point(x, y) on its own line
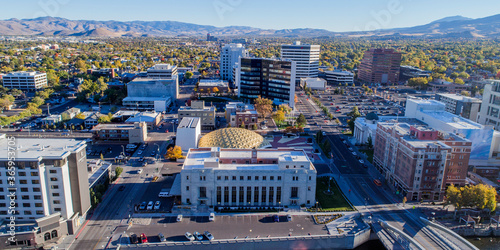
point(115, 126)
point(461, 98)
point(212, 83)
point(196, 159)
point(189, 122)
point(188, 108)
point(145, 99)
point(143, 117)
point(453, 120)
point(150, 81)
point(36, 148)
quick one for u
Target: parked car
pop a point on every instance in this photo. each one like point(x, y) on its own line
point(361, 161)
point(133, 239)
point(139, 171)
point(289, 217)
point(161, 237)
point(198, 236)
point(211, 217)
point(189, 236)
point(139, 152)
point(144, 239)
point(179, 218)
point(377, 182)
point(143, 205)
point(150, 205)
point(354, 153)
point(153, 153)
point(276, 218)
point(157, 205)
point(208, 235)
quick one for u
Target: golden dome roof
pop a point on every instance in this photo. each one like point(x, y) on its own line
point(233, 138)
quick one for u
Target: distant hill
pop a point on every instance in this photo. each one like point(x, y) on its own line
point(454, 26)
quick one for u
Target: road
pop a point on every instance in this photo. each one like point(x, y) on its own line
point(364, 194)
point(112, 213)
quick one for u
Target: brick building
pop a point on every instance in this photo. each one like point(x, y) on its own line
point(380, 66)
point(419, 161)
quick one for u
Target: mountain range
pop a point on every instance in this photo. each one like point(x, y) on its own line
point(455, 26)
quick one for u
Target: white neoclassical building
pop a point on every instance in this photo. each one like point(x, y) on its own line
point(248, 178)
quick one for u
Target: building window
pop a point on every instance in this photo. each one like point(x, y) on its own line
point(35, 181)
point(37, 197)
point(241, 178)
point(54, 186)
point(53, 179)
point(295, 192)
point(187, 188)
point(279, 178)
point(256, 195)
point(271, 178)
point(226, 195)
point(23, 182)
point(219, 178)
point(264, 178)
point(257, 178)
point(187, 177)
point(36, 189)
point(233, 195)
point(249, 178)
point(264, 195)
point(203, 192)
point(219, 195)
point(26, 205)
point(249, 195)
point(56, 202)
point(38, 205)
point(57, 209)
point(25, 197)
point(54, 233)
point(34, 173)
point(310, 177)
point(278, 194)
point(309, 188)
point(234, 178)
point(226, 178)
point(242, 195)
point(55, 194)
point(22, 173)
point(203, 178)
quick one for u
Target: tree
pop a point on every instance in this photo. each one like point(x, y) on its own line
point(263, 106)
point(465, 93)
point(37, 101)
point(319, 136)
point(419, 82)
point(254, 126)
point(80, 116)
point(104, 119)
point(102, 157)
point(279, 116)
point(242, 125)
point(285, 108)
point(459, 81)
point(118, 171)
point(453, 196)
point(65, 116)
point(369, 141)
point(16, 92)
point(188, 75)
point(301, 120)
point(174, 153)
point(354, 113)
point(215, 90)
point(463, 75)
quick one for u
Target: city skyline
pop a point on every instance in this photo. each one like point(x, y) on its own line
point(337, 17)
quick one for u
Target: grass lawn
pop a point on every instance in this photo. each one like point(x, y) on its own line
point(335, 202)
point(369, 154)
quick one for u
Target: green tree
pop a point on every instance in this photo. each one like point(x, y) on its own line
point(369, 141)
point(459, 81)
point(37, 101)
point(118, 171)
point(104, 119)
point(301, 120)
point(254, 126)
point(419, 82)
point(454, 196)
point(188, 75)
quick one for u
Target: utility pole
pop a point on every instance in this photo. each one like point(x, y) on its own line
point(48, 108)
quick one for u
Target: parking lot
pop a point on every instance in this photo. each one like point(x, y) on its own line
point(224, 227)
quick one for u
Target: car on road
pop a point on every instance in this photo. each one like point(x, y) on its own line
point(153, 153)
point(276, 218)
point(144, 239)
point(354, 153)
point(144, 164)
point(211, 217)
point(189, 236)
point(179, 218)
point(143, 205)
point(377, 182)
point(133, 239)
point(208, 235)
point(139, 152)
point(289, 217)
point(150, 205)
point(350, 149)
point(157, 205)
point(122, 187)
point(361, 161)
point(198, 236)
point(161, 237)
point(264, 127)
point(141, 159)
point(139, 171)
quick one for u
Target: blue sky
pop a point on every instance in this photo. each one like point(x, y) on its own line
point(333, 15)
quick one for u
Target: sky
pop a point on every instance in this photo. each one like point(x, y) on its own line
point(332, 15)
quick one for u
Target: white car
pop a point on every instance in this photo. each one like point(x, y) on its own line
point(361, 161)
point(264, 127)
point(189, 236)
point(354, 153)
point(179, 218)
point(150, 205)
point(139, 171)
point(157, 205)
point(211, 217)
point(198, 236)
point(208, 235)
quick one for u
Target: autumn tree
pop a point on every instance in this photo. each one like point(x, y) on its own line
point(174, 153)
point(263, 106)
point(301, 120)
point(188, 75)
point(419, 82)
point(279, 116)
